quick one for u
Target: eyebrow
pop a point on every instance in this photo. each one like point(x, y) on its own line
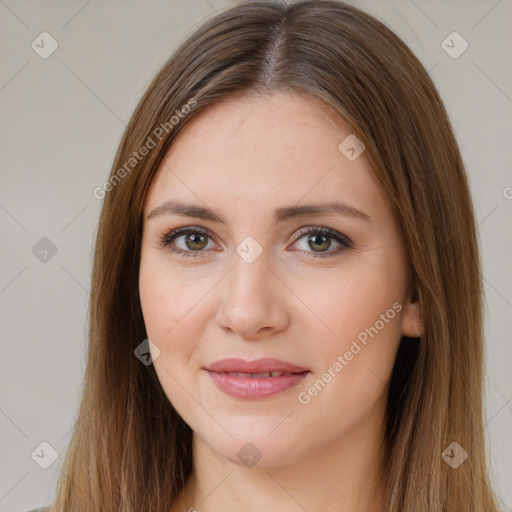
point(280, 214)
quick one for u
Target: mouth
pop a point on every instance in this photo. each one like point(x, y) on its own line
point(257, 375)
point(255, 379)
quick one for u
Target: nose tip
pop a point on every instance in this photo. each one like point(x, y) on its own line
point(247, 331)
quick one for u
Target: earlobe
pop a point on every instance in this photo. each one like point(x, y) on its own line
point(412, 324)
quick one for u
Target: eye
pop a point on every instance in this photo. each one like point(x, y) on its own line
point(319, 238)
point(190, 241)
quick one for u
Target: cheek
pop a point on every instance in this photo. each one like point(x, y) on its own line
point(347, 302)
point(173, 307)
point(360, 310)
point(167, 308)
point(158, 303)
point(169, 298)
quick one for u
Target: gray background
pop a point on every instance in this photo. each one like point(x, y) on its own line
point(62, 119)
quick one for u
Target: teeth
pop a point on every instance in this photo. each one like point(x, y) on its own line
point(258, 375)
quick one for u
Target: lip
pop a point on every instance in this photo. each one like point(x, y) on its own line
point(255, 387)
point(266, 364)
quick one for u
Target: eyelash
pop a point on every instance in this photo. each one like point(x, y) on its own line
point(168, 237)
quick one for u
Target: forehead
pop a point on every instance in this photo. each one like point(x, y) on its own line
point(268, 150)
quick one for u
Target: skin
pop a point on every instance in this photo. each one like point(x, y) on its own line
point(243, 158)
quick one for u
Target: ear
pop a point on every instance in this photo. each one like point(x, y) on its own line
point(411, 321)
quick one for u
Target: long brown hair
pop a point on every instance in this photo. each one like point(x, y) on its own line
point(130, 451)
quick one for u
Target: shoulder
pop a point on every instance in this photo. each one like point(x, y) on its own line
point(40, 509)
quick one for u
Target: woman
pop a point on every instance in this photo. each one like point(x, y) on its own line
point(286, 303)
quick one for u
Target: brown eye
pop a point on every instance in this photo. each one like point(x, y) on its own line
point(195, 241)
point(187, 242)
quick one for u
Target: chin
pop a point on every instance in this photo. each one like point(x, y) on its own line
point(254, 447)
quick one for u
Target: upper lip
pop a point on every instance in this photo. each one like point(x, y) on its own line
point(264, 365)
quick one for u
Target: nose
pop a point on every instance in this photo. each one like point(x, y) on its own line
point(253, 300)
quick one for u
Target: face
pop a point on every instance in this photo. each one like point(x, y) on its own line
point(234, 266)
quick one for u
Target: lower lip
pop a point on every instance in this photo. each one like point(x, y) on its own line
point(255, 387)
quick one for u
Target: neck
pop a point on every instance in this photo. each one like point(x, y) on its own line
point(343, 475)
